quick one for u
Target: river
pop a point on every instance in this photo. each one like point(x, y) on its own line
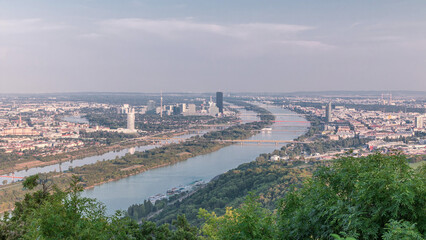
point(119, 195)
point(76, 119)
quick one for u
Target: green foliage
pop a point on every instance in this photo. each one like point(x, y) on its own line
point(268, 180)
point(31, 182)
point(322, 146)
point(69, 217)
point(250, 221)
point(107, 137)
point(15, 225)
point(337, 237)
point(401, 230)
point(184, 230)
point(59, 214)
point(356, 197)
point(139, 211)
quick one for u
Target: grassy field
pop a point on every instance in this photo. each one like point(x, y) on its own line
point(417, 164)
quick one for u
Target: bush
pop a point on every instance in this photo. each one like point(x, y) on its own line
point(356, 197)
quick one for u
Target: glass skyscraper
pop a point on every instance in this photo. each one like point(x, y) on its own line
point(219, 101)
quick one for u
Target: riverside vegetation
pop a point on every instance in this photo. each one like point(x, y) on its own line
point(111, 141)
point(265, 179)
point(373, 197)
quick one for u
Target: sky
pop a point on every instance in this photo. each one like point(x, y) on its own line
point(205, 46)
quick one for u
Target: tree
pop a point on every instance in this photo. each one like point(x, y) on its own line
point(401, 230)
point(356, 197)
point(184, 230)
point(15, 225)
point(250, 221)
point(50, 213)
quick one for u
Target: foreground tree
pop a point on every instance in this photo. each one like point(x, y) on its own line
point(250, 221)
point(374, 197)
point(49, 213)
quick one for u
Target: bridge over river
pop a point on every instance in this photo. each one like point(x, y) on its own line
point(259, 141)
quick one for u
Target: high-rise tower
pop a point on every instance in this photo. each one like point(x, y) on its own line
point(328, 112)
point(161, 105)
point(219, 101)
point(151, 105)
point(418, 122)
point(131, 119)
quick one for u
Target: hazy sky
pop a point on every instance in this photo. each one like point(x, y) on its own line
point(209, 45)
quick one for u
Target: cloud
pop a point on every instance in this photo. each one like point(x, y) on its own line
point(385, 36)
point(173, 27)
point(4, 52)
point(27, 25)
point(270, 27)
point(166, 28)
point(355, 24)
point(245, 38)
point(309, 44)
point(89, 36)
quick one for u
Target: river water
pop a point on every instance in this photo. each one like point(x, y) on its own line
point(119, 195)
point(76, 119)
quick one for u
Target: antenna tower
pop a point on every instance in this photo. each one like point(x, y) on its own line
point(161, 105)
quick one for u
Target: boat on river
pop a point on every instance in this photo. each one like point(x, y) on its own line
point(268, 129)
point(177, 190)
point(157, 197)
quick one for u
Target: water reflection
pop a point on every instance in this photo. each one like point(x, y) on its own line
point(132, 150)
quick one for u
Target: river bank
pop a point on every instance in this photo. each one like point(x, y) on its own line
point(70, 156)
point(129, 175)
point(97, 154)
point(90, 151)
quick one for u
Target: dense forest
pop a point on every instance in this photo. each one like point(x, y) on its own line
point(107, 137)
point(322, 146)
point(373, 197)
